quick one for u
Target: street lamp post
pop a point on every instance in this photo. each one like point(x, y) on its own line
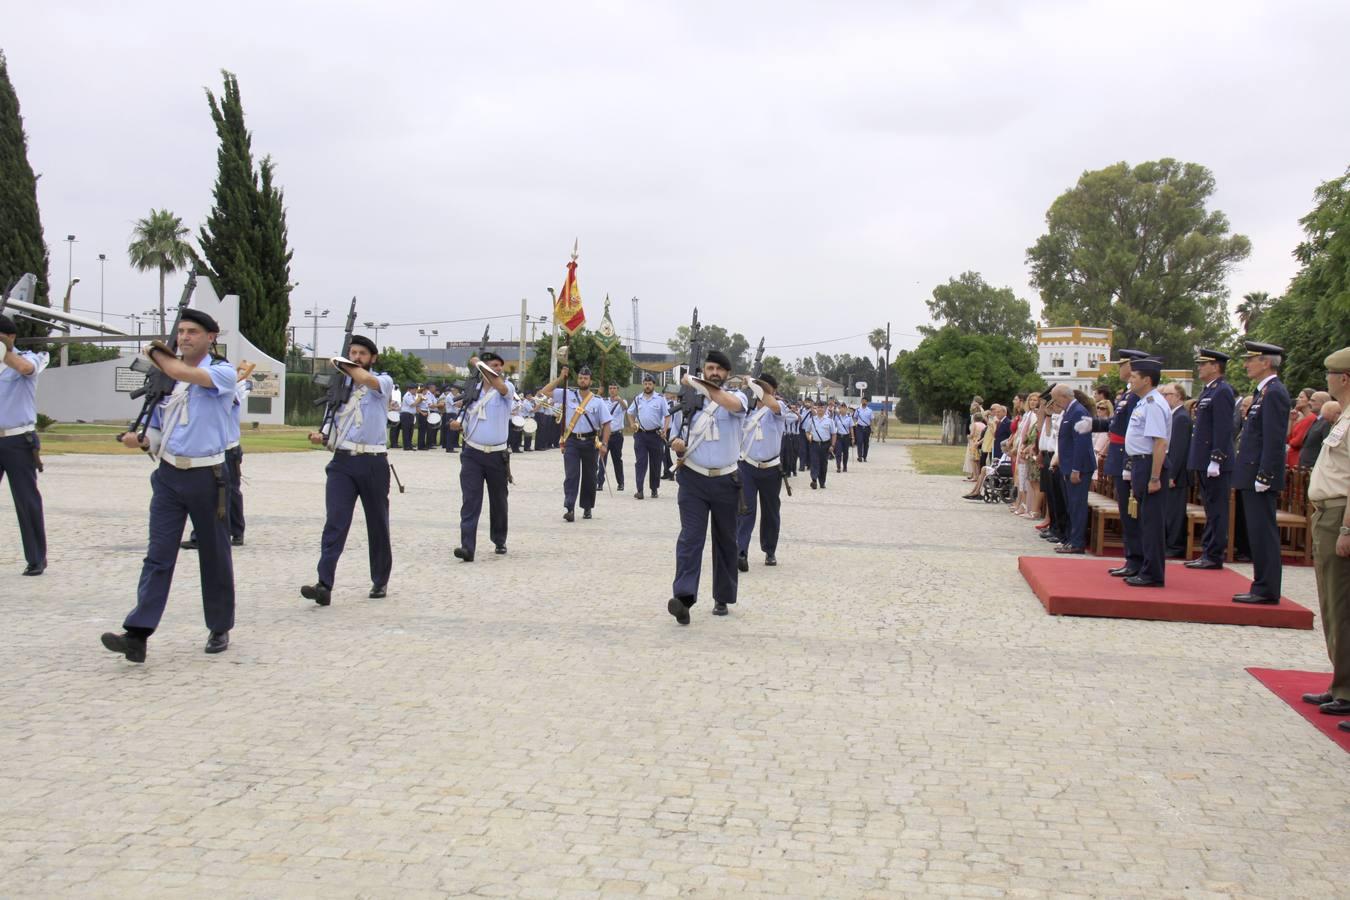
point(428, 335)
point(316, 316)
point(376, 328)
point(102, 258)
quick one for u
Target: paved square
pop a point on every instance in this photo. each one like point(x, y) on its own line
point(889, 712)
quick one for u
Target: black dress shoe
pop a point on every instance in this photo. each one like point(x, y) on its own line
point(188, 545)
point(813, 485)
point(770, 560)
point(462, 554)
point(1122, 572)
point(743, 563)
point(1343, 726)
point(638, 495)
point(35, 570)
point(719, 608)
point(218, 642)
point(1335, 708)
point(1318, 699)
point(500, 550)
point(129, 645)
point(1203, 563)
point(236, 542)
point(319, 592)
point(655, 493)
point(569, 516)
point(1141, 581)
point(618, 487)
point(1255, 599)
point(377, 592)
point(585, 513)
point(677, 609)
point(1065, 548)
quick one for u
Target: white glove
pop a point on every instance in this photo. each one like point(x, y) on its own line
point(1262, 488)
point(1213, 469)
point(1083, 426)
point(1125, 475)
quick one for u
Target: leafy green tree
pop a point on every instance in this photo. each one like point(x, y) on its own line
point(1252, 307)
point(950, 366)
point(1135, 248)
point(614, 367)
point(404, 368)
point(787, 380)
point(81, 353)
point(244, 240)
point(715, 337)
point(157, 245)
point(971, 304)
point(22, 249)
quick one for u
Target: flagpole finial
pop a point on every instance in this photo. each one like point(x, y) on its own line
point(575, 244)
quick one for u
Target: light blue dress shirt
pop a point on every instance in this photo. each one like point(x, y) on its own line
point(18, 393)
point(371, 429)
point(865, 416)
point(592, 420)
point(819, 428)
point(407, 404)
point(241, 392)
point(1151, 418)
point(650, 412)
point(210, 412)
point(764, 438)
point(618, 416)
point(487, 421)
point(726, 449)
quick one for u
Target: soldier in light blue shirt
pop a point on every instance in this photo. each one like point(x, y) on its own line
point(359, 469)
point(1146, 438)
point(585, 437)
point(187, 437)
point(864, 431)
point(19, 445)
point(843, 429)
point(761, 470)
point(234, 461)
point(709, 489)
point(617, 420)
point(820, 436)
point(486, 459)
point(651, 415)
point(407, 414)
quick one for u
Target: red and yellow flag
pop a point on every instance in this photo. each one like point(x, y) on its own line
point(567, 310)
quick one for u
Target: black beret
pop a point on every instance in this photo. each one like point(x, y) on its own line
point(202, 319)
point(489, 356)
point(717, 357)
point(769, 380)
point(360, 340)
point(7, 325)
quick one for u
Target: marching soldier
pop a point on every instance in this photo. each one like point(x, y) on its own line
point(1259, 475)
point(1211, 454)
point(395, 426)
point(426, 396)
point(820, 435)
point(454, 403)
point(359, 469)
point(587, 422)
point(617, 419)
point(407, 414)
point(1146, 439)
point(708, 489)
point(19, 445)
point(676, 422)
point(234, 462)
point(651, 414)
point(843, 425)
point(864, 430)
point(788, 450)
point(485, 459)
point(186, 438)
point(761, 469)
point(1115, 462)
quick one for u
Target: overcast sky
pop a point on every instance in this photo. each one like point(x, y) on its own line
point(805, 171)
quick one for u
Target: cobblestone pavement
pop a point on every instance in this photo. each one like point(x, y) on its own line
point(889, 712)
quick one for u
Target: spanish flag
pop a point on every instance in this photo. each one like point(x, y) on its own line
point(567, 310)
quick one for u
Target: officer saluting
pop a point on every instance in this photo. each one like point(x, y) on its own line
point(651, 412)
point(485, 459)
point(1211, 454)
point(187, 437)
point(708, 489)
point(19, 461)
point(1259, 474)
point(1146, 438)
point(762, 473)
point(359, 469)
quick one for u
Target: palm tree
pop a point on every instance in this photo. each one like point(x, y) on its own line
point(157, 243)
point(877, 338)
point(1251, 308)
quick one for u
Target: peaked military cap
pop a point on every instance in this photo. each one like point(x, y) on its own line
point(1129, 356)
point(1339, 362)
point(648, 376)
point(1256, 348)
point(1204, 354)
point(1147, 366)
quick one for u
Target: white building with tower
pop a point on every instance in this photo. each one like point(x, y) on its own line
point(1080, 356)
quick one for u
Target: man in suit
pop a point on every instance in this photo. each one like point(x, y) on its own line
point(1178, 480)
point(1316, 433)
point(1077, 463)
point(1259, 474)
point(1116, 426)
point(1211, 454)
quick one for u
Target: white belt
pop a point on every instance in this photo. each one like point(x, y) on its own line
point(353, 447)
point(190, 462)
point(484, 448)
point(711, 473)
point(11, 432)
point(760, 465)
point(231, 445)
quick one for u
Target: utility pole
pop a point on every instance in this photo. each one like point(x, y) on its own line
point(102, 258)
point(70, 283)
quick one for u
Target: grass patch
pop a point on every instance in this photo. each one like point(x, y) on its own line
point(101, 440)
point(937, 459)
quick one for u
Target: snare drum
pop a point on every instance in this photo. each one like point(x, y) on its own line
point(530, 426)
point(433, 419)
point(517, 421)
point(393, 416)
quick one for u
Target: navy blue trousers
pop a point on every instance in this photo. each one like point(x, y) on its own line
point(760, 488)
point(1129, 526)
point(476, 469)
point(178, 495)
point(702, 498)
point(864, 441)
point(234, 469)
point(1076, 508)
point(1151, 526)
point(1263, 535)
point(405, 424)
point(841, 452)
point(615, 457)
point(1214, 495)
point(579, 469)
point(820, 461)
point(364, 476)
point(16, 463)
point(647, 448)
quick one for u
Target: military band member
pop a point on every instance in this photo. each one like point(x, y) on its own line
point(527, 411)
point(407, 414)
point(426, 396)
point(516, 433)
point(708, 491)
point(1146, 439)
point(395, 426)
point(19, 445)
point(761, 470)
point(820, 436)
point(454, 409)
point(864, 430)
point(1211, 455)
point(186, 439)
point(651, 415)
point(359, 469)
point(486, 458)
point(583, 441)
point(1115, 463)
point(617, 420)
point(1259, 473)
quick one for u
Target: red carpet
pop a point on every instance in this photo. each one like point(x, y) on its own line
point(1290, 686)
point(1080, 587)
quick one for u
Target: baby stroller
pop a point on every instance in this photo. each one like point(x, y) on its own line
point(998, 481)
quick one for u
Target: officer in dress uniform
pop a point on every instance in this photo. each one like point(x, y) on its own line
point(234, 462)
point(1259, 474)
point(1211, 454)
point(407, 414)
point(1146, 440)
point(1115, 463)
point(1178, 475)
point(617, 420)
point(486, 458)
point(19, 445)
point(820, 436)
point(359, 469)
point(584, 440)
point(186, 438)
point(651, 414)
point(761, 469)
point(864, 423)
point(708, 488)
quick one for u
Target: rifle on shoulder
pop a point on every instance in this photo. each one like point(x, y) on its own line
point(158, 385)
point(337, 386)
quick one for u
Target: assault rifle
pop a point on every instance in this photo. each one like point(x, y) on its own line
point(336, 385)
point(756, 370)
point(158, 385)
point(690, 399)
point(475, 388)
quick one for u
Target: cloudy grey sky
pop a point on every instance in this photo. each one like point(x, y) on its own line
point(806, 171)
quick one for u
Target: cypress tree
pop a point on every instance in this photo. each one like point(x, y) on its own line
point(244, 239)
point(22, 249)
